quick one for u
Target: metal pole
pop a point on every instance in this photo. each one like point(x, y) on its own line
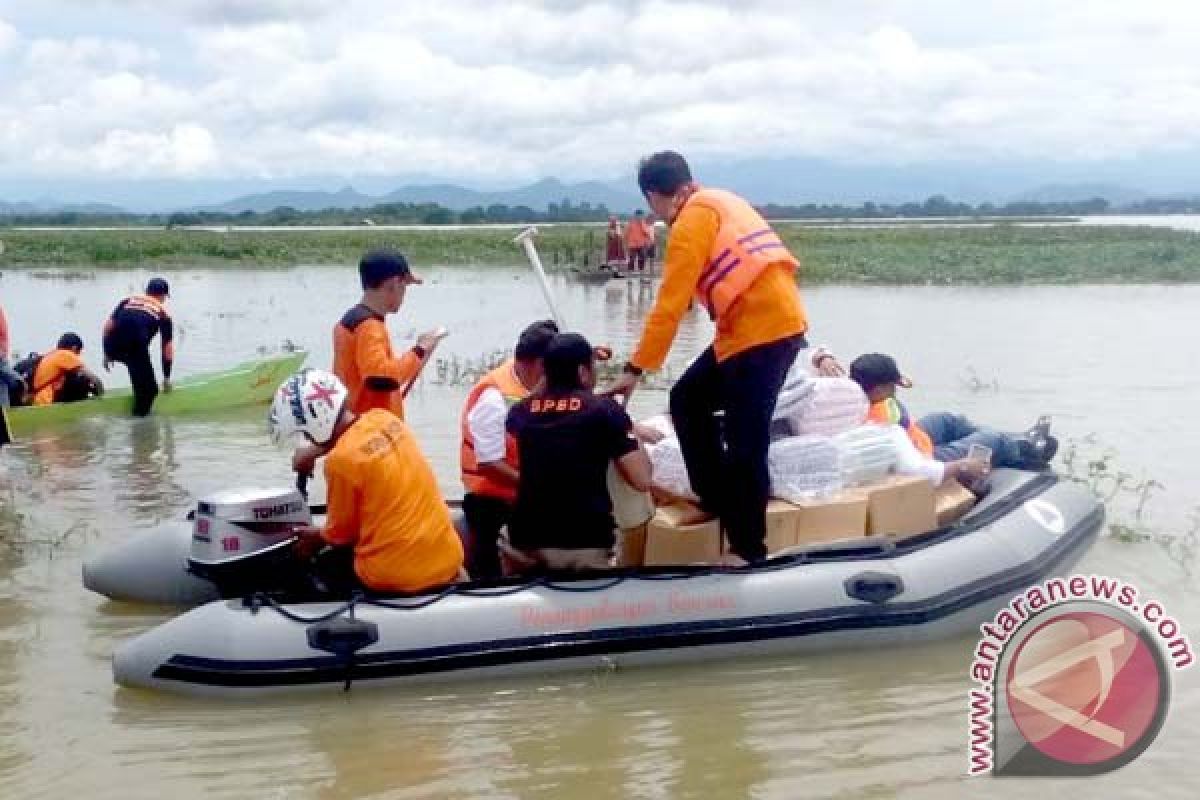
point(525, 239)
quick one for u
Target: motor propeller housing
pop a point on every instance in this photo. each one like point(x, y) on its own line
point(236, 524)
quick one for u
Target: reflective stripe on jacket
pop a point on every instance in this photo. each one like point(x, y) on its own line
point(745, 246)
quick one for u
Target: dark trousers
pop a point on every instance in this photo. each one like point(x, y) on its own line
point(75, 388)
point(953, 434)
point(637, 258)
point(727, 459)
point(485, 517)
point(141, 378)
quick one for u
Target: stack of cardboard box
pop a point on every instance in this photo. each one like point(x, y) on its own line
point(897, 506)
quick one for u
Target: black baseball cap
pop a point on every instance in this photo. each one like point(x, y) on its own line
point(158, 287)
point(382, 263)
point(875, 369)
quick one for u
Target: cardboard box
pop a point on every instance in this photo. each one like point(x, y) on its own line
point(670, 544)
point(839, 516)
point(951, 501)
point(900, 505)
point(631, 546)
point(781, 525)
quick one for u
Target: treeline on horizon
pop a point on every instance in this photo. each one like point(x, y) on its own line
point(434, 214)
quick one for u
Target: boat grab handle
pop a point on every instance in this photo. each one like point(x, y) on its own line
point(874, 587)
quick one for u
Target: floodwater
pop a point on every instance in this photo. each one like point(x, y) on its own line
point(1118, 363)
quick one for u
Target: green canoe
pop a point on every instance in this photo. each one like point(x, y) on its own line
point(251, 383)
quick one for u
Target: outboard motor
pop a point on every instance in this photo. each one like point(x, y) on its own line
point(242, 539)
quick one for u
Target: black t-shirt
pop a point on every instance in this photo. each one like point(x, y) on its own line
point(134, 322)
point(565, 443)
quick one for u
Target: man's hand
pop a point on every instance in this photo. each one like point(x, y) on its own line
point(308, 541)
point(967, 470)
point(646, 434)
point(622, 387)
point(829, 367)
point(304, 459)
point(429, 340)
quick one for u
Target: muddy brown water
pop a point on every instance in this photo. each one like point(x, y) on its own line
point(1116, 363)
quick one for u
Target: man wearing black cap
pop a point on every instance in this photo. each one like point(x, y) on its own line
point(127, 334)
point(566, 438)
point(362, 349)
point(945, 436)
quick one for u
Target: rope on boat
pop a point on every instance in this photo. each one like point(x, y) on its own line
point(986, 517)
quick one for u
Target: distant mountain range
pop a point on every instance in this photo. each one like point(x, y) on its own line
point(785, 182)
point(53, 207)
point(457, 198)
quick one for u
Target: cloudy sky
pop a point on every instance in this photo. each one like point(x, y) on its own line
point(504, 92)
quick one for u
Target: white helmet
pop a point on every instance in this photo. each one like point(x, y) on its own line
point(306, 407)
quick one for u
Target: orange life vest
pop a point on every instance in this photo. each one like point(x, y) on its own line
point(637, 233)
point(892, 412)
point(503, 378)
point(744, 247)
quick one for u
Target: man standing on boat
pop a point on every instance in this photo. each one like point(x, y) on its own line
point(725, 256)
point(362, 348)
point(637, 241)
point(488, 456)
point(127, 334)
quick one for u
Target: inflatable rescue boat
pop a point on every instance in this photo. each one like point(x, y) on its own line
point(873, 591)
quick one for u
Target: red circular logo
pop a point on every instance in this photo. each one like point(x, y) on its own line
point(1085, 688)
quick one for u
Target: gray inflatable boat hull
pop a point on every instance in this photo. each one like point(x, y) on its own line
point(938, 586)
point(151, 568)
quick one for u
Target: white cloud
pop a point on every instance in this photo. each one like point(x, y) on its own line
point(8, 37)
point(522, 89)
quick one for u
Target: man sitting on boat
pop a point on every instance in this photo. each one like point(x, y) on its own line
point(386, 513)
point(566, 438)
point(61, 377)
point(488, 456)
point(944, 436)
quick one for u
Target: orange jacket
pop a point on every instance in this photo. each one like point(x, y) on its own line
point(637, 233)
point(892, 412)
point(363, 360)
point(759, 306)
point(384, 500)
point(51, 373)
point(504, 378)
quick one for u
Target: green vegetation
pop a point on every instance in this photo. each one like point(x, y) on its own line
point(982, 254)
point(999, 254)
point(1127, 499)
